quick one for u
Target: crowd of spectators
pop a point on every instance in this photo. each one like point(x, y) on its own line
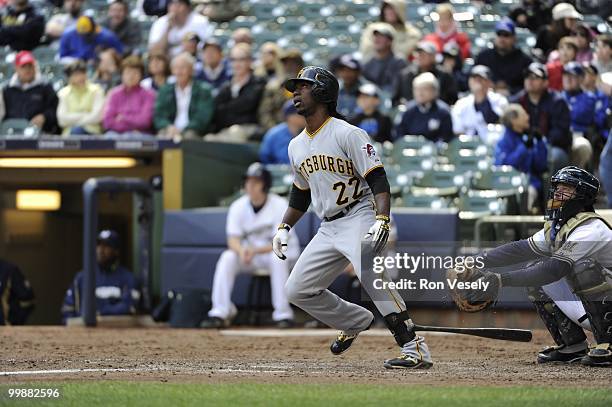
point(402, 81)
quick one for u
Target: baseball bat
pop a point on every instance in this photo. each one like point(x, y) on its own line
point(504, 334)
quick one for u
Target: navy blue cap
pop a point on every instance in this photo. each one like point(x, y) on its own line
point(110, 238)
point(348, 61)
point(573, 68)
point(537, 69)
point(505, 25)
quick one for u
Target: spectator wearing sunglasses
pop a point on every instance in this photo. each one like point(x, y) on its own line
point(506, 61)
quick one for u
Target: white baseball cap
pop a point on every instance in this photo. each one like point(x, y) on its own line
point(565, 10)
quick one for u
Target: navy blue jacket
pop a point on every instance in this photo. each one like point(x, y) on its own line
point(550, 117)
point(511, 150)
point(117, 293)
point(434, 123)
point(21, 30)
point(508, 68)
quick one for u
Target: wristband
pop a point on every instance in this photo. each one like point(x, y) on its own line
point(384, 218)
point(284, 226)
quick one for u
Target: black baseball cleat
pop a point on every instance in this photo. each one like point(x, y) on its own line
point(414, 355)
point(555, 354)
point(599, 356)
point(407, 362)
point(213, 323)
point(342, 343)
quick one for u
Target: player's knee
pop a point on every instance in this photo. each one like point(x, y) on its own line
point(228, 260)
point(294, 294)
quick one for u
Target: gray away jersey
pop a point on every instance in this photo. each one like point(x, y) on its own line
point(333, 162)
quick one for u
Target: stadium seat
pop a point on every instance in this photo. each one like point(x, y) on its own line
point(410, 145)
point(504, 182)
point(423, 201)
point(501, 178)
point(23, 127)
point(464, 142)
point(440, 181)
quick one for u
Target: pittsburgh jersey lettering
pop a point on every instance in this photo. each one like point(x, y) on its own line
point(324, 162)
point(332, 164)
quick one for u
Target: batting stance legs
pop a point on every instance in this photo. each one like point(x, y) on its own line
point(227, 269)
point(335, 245)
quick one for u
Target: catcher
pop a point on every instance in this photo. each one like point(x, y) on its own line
point(570, 280)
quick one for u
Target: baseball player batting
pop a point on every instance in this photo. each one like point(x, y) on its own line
point(337, 170)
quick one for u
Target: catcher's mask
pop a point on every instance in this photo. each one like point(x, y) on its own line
point(562, 205)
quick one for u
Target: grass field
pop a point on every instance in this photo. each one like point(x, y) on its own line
point(108, 393)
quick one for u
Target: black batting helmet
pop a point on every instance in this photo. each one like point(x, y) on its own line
point(259, 171)
point(587, 188)
point(324, 84)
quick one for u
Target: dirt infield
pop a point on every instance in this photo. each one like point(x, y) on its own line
point(202, 356)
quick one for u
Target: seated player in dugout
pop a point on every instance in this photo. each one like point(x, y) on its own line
point(16, 294)
point(570, 275)
point(117, 289)
point(337, 170)
point(251, 224)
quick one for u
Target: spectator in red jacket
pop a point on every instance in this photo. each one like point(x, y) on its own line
point(447, 31)
point(567, 50)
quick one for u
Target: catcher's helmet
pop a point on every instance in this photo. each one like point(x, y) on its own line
point(587, 188)
point(324, 84)
point(259, 171)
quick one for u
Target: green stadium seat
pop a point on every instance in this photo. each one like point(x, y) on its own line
point(411, 146)
point(423, 201)
point(504, 182)
point(23, 127)
point(500, 178)
point(464, 142)
point(440, 181)
point(480, 203)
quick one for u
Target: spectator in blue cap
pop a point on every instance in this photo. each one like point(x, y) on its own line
point(582, 113)
point(506, 61)
point(349, 72)
point(117, 290)
point(275, 144)
point(368, 117)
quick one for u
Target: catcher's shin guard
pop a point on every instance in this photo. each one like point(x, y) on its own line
point(396, 322)
point(563, 330)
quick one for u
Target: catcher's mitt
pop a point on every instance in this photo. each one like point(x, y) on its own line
point(467, 288)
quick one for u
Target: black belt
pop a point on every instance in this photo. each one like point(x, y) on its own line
point(342, 213)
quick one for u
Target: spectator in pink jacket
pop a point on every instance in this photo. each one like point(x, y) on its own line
point(129, 107)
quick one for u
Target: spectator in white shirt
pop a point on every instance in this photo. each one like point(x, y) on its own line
point(167, 32)
point(473, 113)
